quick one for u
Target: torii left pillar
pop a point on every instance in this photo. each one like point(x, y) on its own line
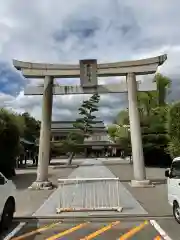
point(42, 181)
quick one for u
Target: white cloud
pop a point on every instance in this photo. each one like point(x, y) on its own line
point(66, 31)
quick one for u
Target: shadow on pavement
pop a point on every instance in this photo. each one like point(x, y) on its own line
point(153, 181)
point(56, 166)
point(117, 163)
point(24, 180)
point(7, 232)
point(157, 166)
point(158, 181)
point(64, 166)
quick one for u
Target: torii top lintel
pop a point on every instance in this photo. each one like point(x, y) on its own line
point(139, 67)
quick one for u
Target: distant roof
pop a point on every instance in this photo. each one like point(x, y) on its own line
point(69, 124)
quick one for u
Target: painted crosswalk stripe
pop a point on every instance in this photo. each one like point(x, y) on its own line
point(100, 231)
point(68, 231)
point(158, 238)
point(160, 230)
point(39, 230)
point(133, 231)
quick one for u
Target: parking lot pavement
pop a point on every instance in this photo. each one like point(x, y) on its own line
point(171, 227)
point(36, 230)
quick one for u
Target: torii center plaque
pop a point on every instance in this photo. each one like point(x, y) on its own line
point(88, 73)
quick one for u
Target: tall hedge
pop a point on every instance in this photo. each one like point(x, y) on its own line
point(173, 127)
point(155, 137)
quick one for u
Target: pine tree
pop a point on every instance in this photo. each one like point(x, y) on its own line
point(83, 125)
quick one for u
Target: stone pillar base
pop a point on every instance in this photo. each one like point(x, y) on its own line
point(37, 185)
point(141, 183)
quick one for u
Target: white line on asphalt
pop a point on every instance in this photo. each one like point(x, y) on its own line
point(15, 231)
point(160, 230)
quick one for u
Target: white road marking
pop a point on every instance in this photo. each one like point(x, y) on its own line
point(15, 231)
point(160, 230)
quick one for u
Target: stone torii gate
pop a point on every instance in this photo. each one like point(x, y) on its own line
point(88, 71)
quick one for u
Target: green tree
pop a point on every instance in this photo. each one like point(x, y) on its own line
point(83, 126)
point(153, 119)
point(152, 99)
point(31, 127)
point(10, 132)
point(124, 140)
point(120, 134)
point(146, 101)
point(122, 118)
point(173, 127)
point(154, 136)
point(163, 84)
point(86, 111)
point(112, 131)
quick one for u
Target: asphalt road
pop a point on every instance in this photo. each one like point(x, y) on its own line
point(84, 231)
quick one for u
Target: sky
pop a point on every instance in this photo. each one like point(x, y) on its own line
point(59, 31)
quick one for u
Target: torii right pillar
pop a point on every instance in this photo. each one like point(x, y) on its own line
point(136, 138)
